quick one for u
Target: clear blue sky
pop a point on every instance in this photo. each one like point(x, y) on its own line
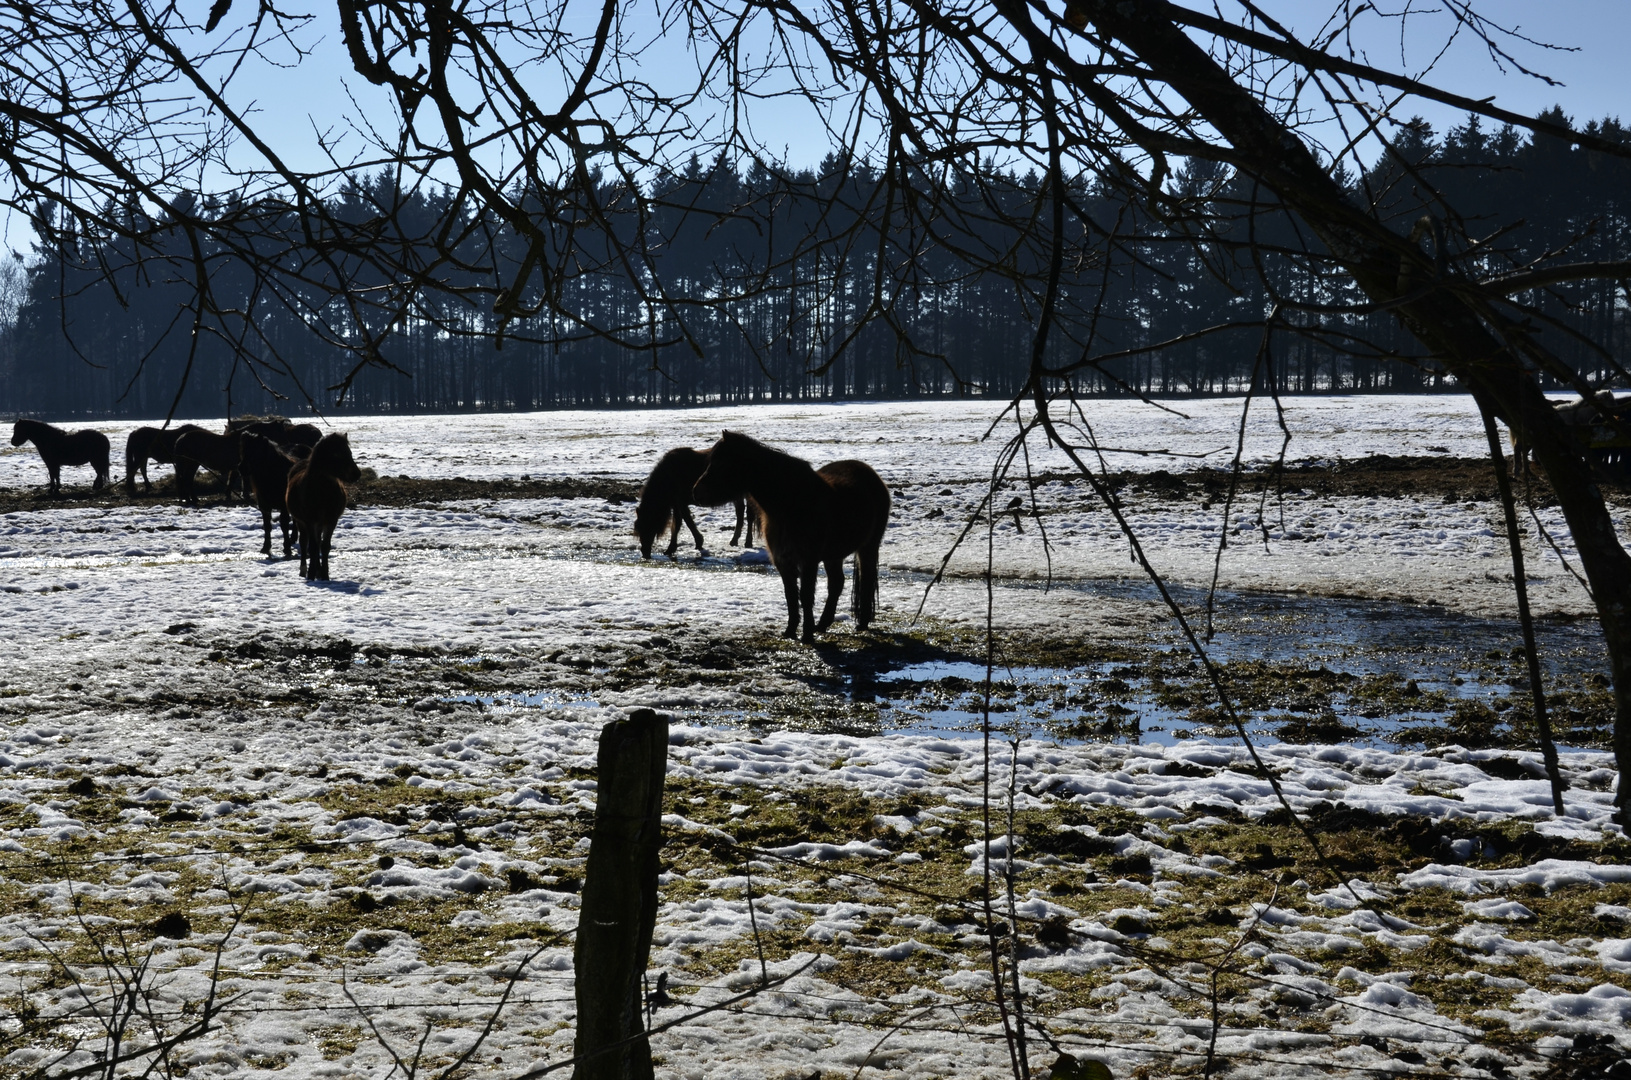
point(1596, 78)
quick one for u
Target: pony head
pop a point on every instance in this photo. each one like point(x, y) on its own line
point(332, 455)
point(720, 481)
point(17, 436)
point(650, 518)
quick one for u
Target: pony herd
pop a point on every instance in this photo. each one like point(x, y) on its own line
point(291, 471)
point(810, 518)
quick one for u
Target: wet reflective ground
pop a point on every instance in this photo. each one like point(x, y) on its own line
point(1295, 668)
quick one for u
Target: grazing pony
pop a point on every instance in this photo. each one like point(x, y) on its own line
point(266, 470)
point(217, 453)
point(316, 499)
point(58, 448)
point(668, 495)
point(811, 517)
point(158, 444)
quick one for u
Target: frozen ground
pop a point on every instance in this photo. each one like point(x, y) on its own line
point(388, 770)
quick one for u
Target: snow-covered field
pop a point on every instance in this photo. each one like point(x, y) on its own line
point(945, 435)
point(386, 774)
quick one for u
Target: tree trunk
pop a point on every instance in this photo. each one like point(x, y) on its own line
point(1483, 349)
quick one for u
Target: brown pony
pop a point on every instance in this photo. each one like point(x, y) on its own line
point(316, 499)
point(58, 448)
point(811, 517)
point(159, 445)
point(217, 453)
point(667, 497)
point(266, 469)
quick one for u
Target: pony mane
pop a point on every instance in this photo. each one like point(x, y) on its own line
point(747, 448)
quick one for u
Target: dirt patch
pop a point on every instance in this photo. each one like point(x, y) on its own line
point(1446, 478)
point(1377, 476)
point(380, 491)
point(410, 491)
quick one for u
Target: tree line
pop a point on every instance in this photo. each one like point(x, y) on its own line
point(761, 283)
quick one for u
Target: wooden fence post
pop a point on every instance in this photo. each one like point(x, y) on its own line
point(620, 900)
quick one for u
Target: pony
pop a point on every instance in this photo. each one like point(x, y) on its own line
point(58, 448)
point(316, 499)
point(159, 445)
point(1597, 422)
point(219, 454)
point(284, 433)
point(266, 470)
point(667, 496)
point(810, 517)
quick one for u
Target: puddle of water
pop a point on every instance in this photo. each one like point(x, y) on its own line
point(1459, 657)
point(1464, 659)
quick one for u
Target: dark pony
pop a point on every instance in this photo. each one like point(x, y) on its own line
point(266, 469)
point(58, 448)
point(316, 499)
point(284, 433)
point(668, 495)
point(217, 453)
point(811, 517)
point(158, 444)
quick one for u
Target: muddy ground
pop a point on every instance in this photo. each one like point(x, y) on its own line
point(1446, 478)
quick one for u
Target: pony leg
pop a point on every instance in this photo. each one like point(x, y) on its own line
point(835, 589)
point(674, 534)
point(283, 523)
point(56, 479)
point(741, 515)
point(186, 475)
point(266, 532)
point(690, 523)
point(790, 588)
point(865, 597)
point(326, 544)
point(807, 578)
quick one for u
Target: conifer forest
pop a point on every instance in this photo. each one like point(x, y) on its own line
point(782, 284)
